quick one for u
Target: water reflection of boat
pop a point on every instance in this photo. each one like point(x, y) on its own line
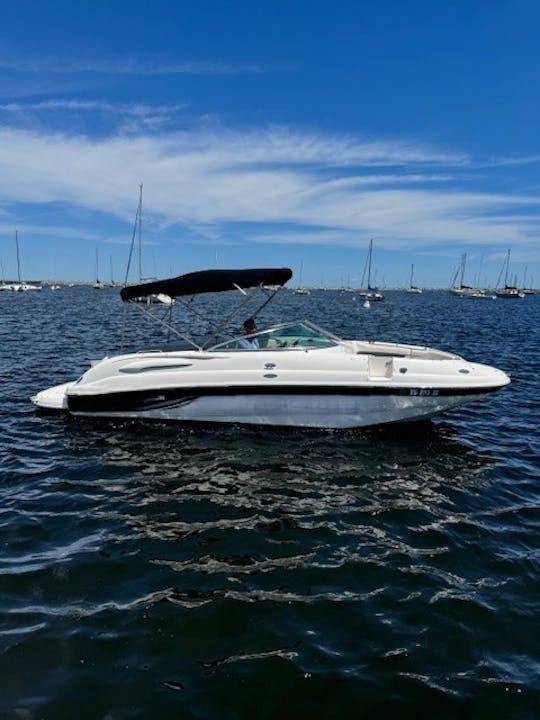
point(423, 465)
point(299, 375)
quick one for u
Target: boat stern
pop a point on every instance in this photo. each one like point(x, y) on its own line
point(54, 399)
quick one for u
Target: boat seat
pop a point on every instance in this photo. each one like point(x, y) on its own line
point(380, 366)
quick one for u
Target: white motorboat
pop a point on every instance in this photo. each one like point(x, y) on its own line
point(297, 374)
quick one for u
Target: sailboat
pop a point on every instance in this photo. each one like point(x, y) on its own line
point(301, 290)
point(112, 282)
point(3, 284)
point(478, 293)
point(153, 298)
point(21, 286)
point(54, 285)
point(508, 292)
point(461, 289)
point(98, 285)
point(412, 288)
point(371, 293)
point(528, 290)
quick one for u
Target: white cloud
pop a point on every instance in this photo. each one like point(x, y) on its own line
point(137, 109)
point(323, 189)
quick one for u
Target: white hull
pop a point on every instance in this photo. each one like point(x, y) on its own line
point(291, 374)
point(339, 387)
point(314, 411)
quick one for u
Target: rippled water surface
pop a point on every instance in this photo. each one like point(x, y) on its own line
point(157, 571)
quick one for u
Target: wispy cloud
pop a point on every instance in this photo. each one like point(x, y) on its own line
point(322, 189)
point(137, 109)
point(120, 117)
point(509, 161)
point(129, 66)
point(52, 231)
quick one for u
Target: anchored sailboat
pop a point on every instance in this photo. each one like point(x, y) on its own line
point(152, 298)
point(371, 293)
point(461, 289)
point(508, 292)
point(21, 286)
point(412, 288)
point(301, 290)
point(98, 285)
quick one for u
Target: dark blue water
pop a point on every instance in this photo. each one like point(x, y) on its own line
point(155, 571)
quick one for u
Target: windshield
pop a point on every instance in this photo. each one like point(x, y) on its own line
point(291, 335)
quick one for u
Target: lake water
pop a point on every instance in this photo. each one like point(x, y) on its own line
point(157, 571)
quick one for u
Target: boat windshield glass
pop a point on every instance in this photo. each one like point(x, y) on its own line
point(288, 336)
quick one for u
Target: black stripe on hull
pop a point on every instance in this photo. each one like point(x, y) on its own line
point(141, 400)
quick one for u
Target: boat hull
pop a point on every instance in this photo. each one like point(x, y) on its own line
point(346, 385)
point(332, 408)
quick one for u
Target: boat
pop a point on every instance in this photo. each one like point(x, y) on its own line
point(527, 290)
point(21, 285)
point(301, 290)
point(412, 288)
point(461, 290)
point(4, 286)
point(479, 295)
point(508, 292)
point(98, 285)
point(151, 298)
point(300, 375)
point(370, 293)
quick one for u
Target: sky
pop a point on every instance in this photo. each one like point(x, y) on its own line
point(281, 134)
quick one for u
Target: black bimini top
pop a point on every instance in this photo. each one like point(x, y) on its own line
point(208, 281)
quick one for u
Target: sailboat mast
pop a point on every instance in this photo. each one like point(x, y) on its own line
point(139, 213)
point(369, 263)
point(463, 261)
point(480, 270)
point(507, 267)
point(18, 258)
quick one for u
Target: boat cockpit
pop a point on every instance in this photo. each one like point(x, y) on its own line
point(297, 336)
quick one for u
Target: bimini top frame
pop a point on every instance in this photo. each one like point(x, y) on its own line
point(269, 280)
point(206, 281)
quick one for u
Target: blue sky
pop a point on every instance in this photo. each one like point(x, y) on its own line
point(282, 133)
